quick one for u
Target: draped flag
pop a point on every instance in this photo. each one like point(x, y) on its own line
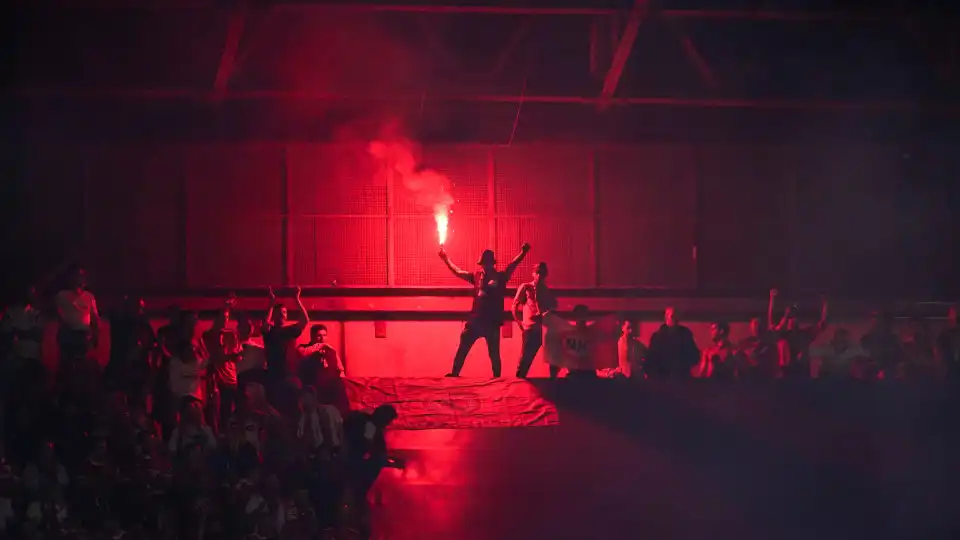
point(587, 347)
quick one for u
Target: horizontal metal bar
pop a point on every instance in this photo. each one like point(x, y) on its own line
point(664, 101)
point(453, 9)
point(771, 15)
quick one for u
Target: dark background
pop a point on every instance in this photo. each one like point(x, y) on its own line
point(806, 145)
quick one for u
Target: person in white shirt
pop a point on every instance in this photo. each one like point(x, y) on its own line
point(188, 362)
point(191, 430)
point(839, 357)
point(532, 301)
point(223, 344)
point(320, 426)
point(631, 352)
point(251, 367)
point(79, 320)
point(22, 335)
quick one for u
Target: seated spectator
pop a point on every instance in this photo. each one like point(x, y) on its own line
point(191, 430)
point(45, 472)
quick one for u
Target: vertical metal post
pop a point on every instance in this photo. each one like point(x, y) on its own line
point(286, 235)
point(184, 211)
point(85, 216)
point(793, 217)
point(594, 193)
point(391, 233)
point(492, 198)
point(698, 182)
point(594, 46)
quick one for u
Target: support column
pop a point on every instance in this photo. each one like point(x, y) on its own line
point(492, 198)
point(594, 190)
point(391, 234)
point(286, 241)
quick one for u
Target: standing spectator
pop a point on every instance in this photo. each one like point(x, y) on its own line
point(79, 323)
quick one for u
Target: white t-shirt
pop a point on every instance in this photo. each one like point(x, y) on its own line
point(24, 321)
point(77, 311)
point(185, 378)
point(253, 356)
point(837, 363)
point(589, 347)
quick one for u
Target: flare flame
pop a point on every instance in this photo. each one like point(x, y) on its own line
point(431, 187)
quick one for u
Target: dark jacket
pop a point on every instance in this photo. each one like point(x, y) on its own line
point(673, 352)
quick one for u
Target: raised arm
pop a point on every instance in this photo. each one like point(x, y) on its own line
point(456, 270)
point(770, 307)
point(512, 267)
point(271, 301)
point(824, 313)
point(703, 368)
point(304, 319)
point(94, 322)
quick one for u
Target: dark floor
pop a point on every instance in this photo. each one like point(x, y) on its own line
point(764, 463)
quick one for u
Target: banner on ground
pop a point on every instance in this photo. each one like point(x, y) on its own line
point(588, 346)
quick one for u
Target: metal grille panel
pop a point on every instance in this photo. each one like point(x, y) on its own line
point(417, 263)
point(542, 180)
point(565, 244)
point(335, 180)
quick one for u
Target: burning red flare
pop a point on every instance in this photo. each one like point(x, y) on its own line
point(442, 219)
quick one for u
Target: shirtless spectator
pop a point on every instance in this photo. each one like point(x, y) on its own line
point(794, 340)
point(722, 360)
point(760, 352)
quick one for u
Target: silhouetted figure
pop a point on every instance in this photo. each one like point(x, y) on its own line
point(948, 346)
point(918, 352)
point(132, 345)
point(279, 340)
point(486, 315)
point(673, 351)
point(760, 350)
point(365, 455)
point(883, 347)
point(532, 301)
point(794, 340)
point(21, 333)
point(164, 408)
